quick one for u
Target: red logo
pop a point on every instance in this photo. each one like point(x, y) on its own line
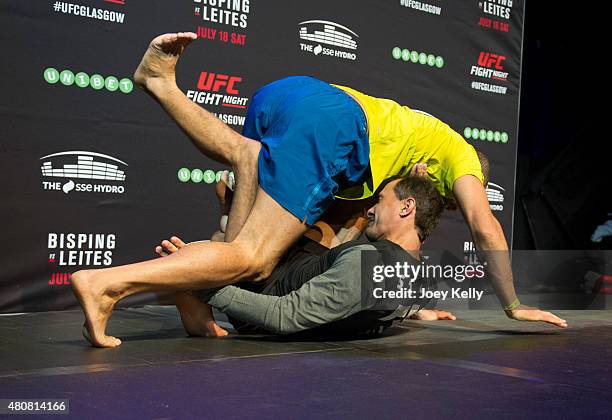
point(60, 279)
point(215, 81)
point(489, 60)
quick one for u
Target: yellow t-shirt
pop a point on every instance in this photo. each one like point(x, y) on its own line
point(400, 137)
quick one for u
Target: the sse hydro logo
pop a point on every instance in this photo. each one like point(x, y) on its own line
point(490, 66)
point(421, 6)
point(90, 12)
point(496, 14)
point(103, 173)
point(228, 13)
point(485, 135)
point(83, 80)
point(208, 176)
point(417, 57)
point(495, 195)
point(321, 37)
point(221, 90)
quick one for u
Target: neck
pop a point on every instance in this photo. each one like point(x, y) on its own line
point(409, 241)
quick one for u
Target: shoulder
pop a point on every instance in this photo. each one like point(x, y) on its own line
point(355, 250)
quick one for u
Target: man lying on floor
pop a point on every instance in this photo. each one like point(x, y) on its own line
point(318, 289)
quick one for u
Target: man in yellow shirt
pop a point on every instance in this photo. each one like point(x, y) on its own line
point(303, 142)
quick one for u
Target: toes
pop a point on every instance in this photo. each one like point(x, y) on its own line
point(109, 342)
point(160, 251)
point(106, 341)
point(178, 242)
point(169, 246)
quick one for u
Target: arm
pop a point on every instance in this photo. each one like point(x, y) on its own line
point(331, 296)
point(489, 236)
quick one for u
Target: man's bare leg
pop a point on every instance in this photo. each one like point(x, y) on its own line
point(253, 254)
point(197, 317)
point(156, 74)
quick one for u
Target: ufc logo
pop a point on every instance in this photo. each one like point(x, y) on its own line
point(486, 59)
point(214, 82)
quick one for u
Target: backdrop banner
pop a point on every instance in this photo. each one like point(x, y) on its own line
point(96, 174)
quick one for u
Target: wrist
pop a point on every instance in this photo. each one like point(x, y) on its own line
point(512, 306)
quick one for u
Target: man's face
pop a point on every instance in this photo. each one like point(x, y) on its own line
point(385, 215)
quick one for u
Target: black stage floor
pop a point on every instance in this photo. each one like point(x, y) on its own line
point(481, 366)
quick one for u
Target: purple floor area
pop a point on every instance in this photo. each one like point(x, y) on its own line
point(480, 366)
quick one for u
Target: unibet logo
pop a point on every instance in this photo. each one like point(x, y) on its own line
point(416, 57)
point(485, 135)
point(83, 80)
point(197, 175)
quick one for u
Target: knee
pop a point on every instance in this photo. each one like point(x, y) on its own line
point(258, 266)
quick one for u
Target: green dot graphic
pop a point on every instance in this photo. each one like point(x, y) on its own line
point(51, 75)
point(406, 54)
point(197, 175)
point(497, 136)
point(489, 135)
point(81, 79)
point(431, 60)
point(414, 56)
point(439, 62)
point(126, 85)
point(475, 132)
point(67, 77)
point(96, 81)
point(111, 83)
point(184, 175)
point(397, 53)
point(504, 137)
point(483, 134)
point(423, 58)
point(209, 176)
point(467, 132)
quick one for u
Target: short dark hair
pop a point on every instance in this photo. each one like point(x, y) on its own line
point(484, 165)
point(429, 202)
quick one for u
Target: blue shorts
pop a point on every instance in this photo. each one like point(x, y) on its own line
point(314, 143)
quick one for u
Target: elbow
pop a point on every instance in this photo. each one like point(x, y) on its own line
point(487, 232)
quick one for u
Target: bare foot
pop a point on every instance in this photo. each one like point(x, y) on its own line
point(197, 316)
point(97, 307)
point(159, 61)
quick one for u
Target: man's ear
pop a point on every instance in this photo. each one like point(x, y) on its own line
point(408, 206)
